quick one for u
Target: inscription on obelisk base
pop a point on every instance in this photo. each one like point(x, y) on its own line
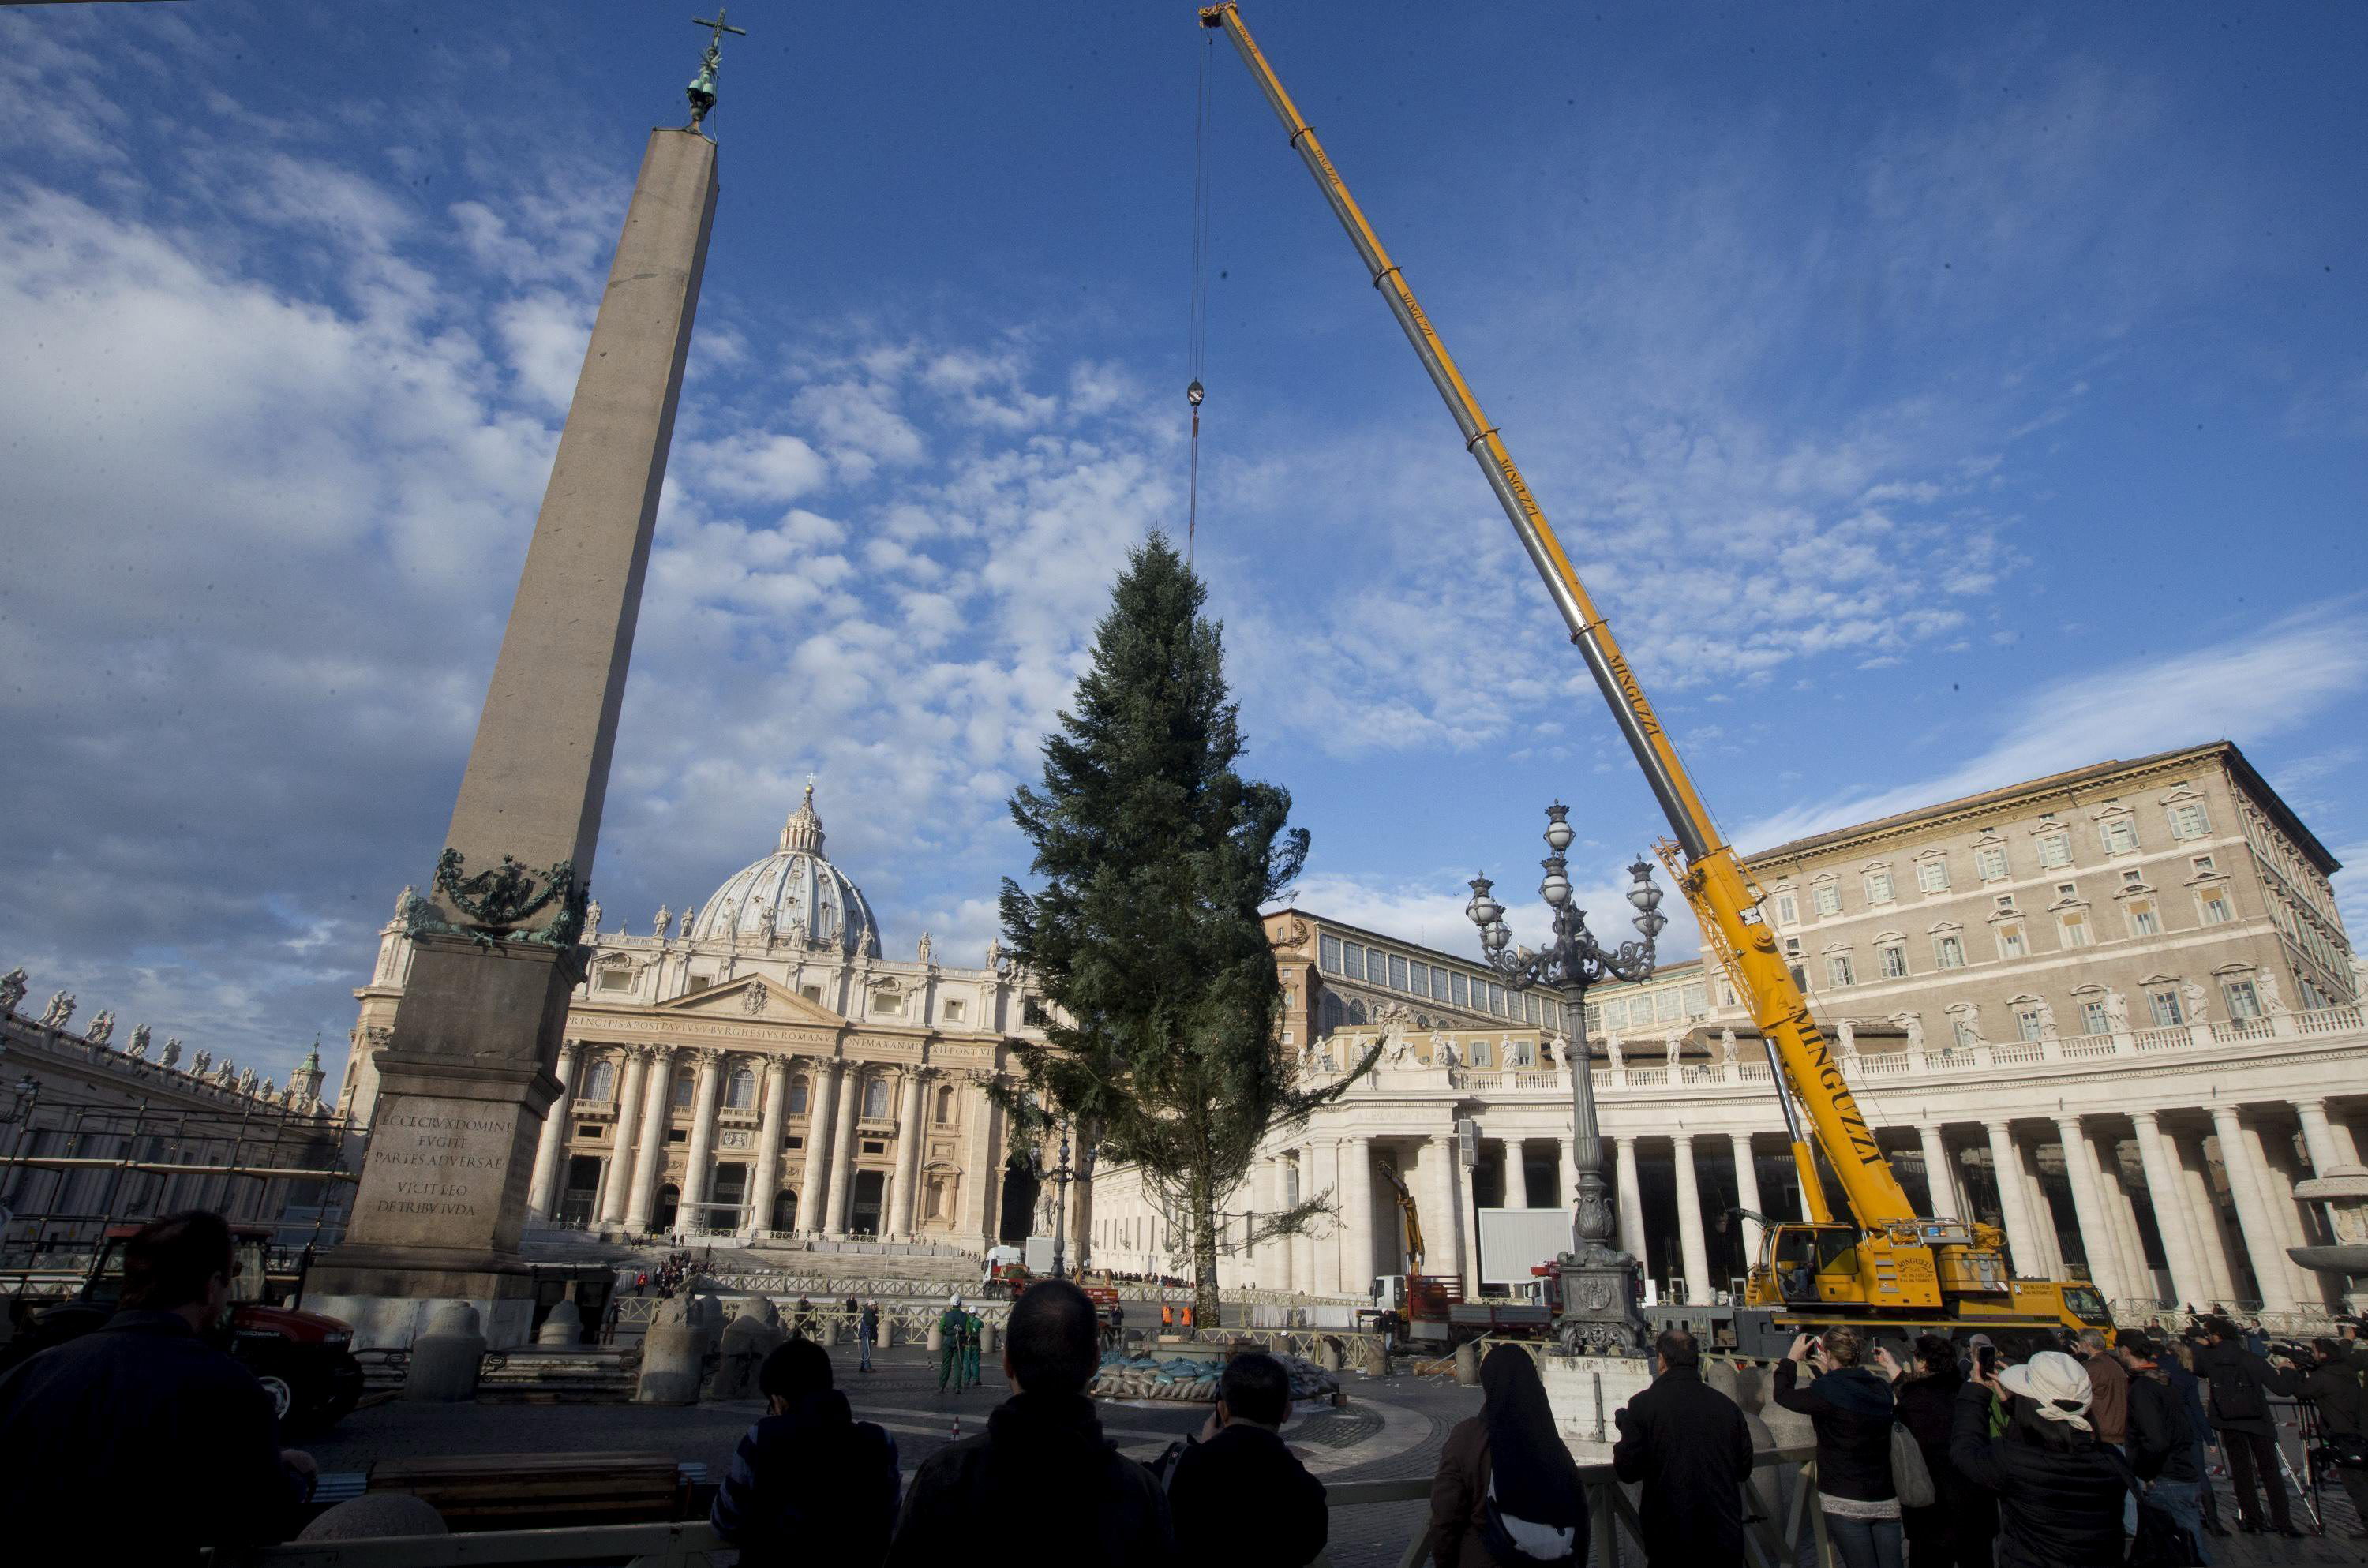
point(467, 1077)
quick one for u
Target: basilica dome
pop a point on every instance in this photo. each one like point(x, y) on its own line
point(792, 896)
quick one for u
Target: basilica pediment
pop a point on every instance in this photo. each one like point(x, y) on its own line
point(753, 997)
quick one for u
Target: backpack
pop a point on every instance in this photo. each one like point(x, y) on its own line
point(1516, 1542)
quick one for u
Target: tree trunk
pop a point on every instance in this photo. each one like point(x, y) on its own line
point(1205, 1304)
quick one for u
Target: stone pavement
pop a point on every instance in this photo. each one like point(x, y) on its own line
point(1391, 1429)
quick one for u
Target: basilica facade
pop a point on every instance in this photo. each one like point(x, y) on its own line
point(756, 1067)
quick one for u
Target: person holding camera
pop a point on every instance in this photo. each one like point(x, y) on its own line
point(2059, 1488)
point(2332, 1383)
point(1853, 1411)
point(1956, 1529)
point(2241, 1382)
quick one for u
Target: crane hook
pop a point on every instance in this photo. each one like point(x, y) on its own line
point(1194, 393)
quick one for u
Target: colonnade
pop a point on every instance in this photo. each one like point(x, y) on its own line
point(822, 1173)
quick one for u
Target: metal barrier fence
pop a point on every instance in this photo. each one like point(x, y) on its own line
point(1783, 1488)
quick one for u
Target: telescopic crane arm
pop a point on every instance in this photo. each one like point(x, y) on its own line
point(1715, 881)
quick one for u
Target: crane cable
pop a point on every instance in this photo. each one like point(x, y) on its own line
point(1197, 341)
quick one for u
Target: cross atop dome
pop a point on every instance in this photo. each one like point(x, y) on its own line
point(803, 830)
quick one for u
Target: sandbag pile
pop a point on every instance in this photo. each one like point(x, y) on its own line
point(1189, 1380)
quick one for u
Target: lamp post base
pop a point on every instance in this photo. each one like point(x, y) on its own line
point(1596, 1311)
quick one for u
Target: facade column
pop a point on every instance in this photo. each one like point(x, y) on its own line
point(1940, 1177)
point(2005, 1165)
point(1447, 1202)
point(1747, 1194)
point(2123, 1214)
point(2264, 1242)
point(1357, 1209)
point(905, 1176)
point(1692, 1244)
point(765, 1182)
point(2088, 1205)
point(2318, 1136)
point(822, 1106)
point(1328, 1245)
point(2166, 1194)
point(699, 1164)
point(649, 1165)
point(615, 1193)
point(842, 1154)
point(1274, 1255)
point(542, 1193)
point(2203, 1209)
point(2286, 1208)
point(1631, 1197)
point(1566, 1195)
point(1298, 1182)
point(978, 1220)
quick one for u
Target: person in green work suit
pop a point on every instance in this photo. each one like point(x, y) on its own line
point(973, 1327)
point(949, 1333)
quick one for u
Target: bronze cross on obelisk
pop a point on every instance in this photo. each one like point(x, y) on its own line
point(702, 91)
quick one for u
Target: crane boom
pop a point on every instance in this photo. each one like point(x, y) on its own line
point(1714, 882)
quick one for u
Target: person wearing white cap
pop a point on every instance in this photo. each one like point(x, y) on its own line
point(2060, 1485)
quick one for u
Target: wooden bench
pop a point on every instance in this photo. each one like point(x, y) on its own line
point(515, 1492)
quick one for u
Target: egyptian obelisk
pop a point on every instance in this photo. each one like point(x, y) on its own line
point(467, 1076)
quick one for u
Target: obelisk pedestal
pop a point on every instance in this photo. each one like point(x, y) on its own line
point(467, 1077)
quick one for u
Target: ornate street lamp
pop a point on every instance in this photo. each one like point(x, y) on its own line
point(1598, 1297)
point(1062, 1175)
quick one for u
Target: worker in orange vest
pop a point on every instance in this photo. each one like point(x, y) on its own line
point(1166, 1317)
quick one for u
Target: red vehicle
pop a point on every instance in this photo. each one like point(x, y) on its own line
point(304, 1361)
point(1016, 1277)
point(1429, 1312)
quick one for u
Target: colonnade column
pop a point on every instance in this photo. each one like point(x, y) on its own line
point(699, 1162)
point(1357, 1212)
point(1566, 1195)
point(616, 1192)
point(2318, 1136)
point(2123, 1214)
point(2167, 1193)
point(977, 1222)
point(842, 1154)
point(2202, 1203)
point(1747, 1194)
point(1631, 1197)
point(1447, 1202)
point(1691, 1244)
point(822, 1106)
point(2006, 1166)
point(766, 1180)
point(649, 1165)
point(543, 1192)
point(906, 1175)
point(2285, 1212)
point(1939, 1175)
point(2089, 1204)
point(2264, 1242)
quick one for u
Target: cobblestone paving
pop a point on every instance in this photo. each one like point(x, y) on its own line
point(1400, 1422)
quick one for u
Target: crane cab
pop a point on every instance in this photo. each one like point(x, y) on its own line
point(1807, 1265)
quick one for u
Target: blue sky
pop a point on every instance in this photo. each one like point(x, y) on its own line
point(1932, 401)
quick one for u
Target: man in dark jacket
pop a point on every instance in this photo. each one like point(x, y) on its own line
point(809, 1482)
point(2332, 1385)
point(1691, 1447)
point(1240, 1470)
point(1042, 1485)
point(2241, 1384)
point(142, 1438)
point(2161, 1444)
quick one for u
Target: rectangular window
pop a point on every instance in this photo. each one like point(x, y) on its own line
point(616, 980)
point(2143, 922)
point(955, 1008)
point(701, 982)
point(1892, 956)
point(1461, 997)
point(1837, 970)
point(1329, 954)
point(1726, 994)
point(2204, 866)
point(1828, 897)
point(2188, 820)
point(1788, 910)
point(2026, 1023)
point(2242, 1002)
point(2166, 1008)
point(2055, 848)
point(1948, 952)
point(1697, 999)
point(1496, 999)
point(1355, 953)
point(1377, 966)
point(1438, 983)
point(2215, 905)
point(1665, 1005)
point(2010, 944)
point(1932, 875)
point(2132, 879)
point(2092, 1017)
point(1286, 1037)
point(2067, 889)
point(2075, 930)
point(1482, 1053)
point(1397, 972)
point(1530, 1006)
point(2006, 901)
point(1878, 887)
point(1553, 1012)
point(2121, 834)
point(1594, 1019)
point(811, 992)
point(1989, 862)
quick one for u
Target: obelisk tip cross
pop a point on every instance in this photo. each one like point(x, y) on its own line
point(702, 91)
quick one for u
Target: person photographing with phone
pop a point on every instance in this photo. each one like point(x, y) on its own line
point(2059, 1486)
point(1852, 1409)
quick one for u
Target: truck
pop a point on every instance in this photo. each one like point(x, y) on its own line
point(1883, 1266)
point(304, 1360)
point(1426, 1311)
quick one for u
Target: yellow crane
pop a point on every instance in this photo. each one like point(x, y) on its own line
point(1892, 1264)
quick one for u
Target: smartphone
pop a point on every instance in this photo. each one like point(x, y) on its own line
point(1986, 1358)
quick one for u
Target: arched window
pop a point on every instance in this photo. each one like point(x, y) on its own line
point(600, 1083)
point(1356, 1012)
point(945, 1106)
point(741, 1093)
point(798, 1095)
point(875, 1100)
point(685, 1084)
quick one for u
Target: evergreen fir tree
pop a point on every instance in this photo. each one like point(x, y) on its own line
point(1156, 857)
